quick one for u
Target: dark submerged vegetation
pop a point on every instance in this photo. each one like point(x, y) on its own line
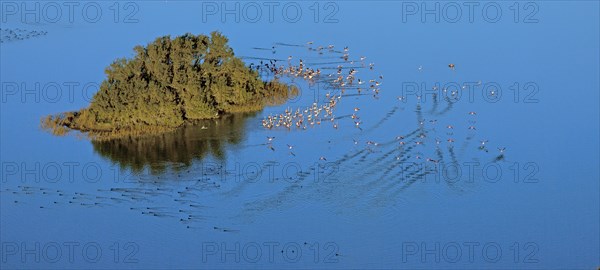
point(169, 83)
point(176, 149)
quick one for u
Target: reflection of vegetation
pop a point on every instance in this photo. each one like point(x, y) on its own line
point(182, 146)
point(166, 84)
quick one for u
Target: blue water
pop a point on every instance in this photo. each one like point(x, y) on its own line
point(198, 199)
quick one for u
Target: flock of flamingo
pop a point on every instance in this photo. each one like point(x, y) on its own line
point(339, 76)
point(18, 34)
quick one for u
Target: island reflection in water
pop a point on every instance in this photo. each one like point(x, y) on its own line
point(208, 138)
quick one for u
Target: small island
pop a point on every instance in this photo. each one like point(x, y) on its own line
point(169, 83)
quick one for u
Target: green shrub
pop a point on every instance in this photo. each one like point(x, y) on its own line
point(168, 82)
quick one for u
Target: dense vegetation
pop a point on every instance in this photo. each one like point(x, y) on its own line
point(168, 83)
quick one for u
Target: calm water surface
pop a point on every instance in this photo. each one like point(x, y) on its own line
point(462, 178)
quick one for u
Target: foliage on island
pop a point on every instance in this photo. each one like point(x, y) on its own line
point(167, 83)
